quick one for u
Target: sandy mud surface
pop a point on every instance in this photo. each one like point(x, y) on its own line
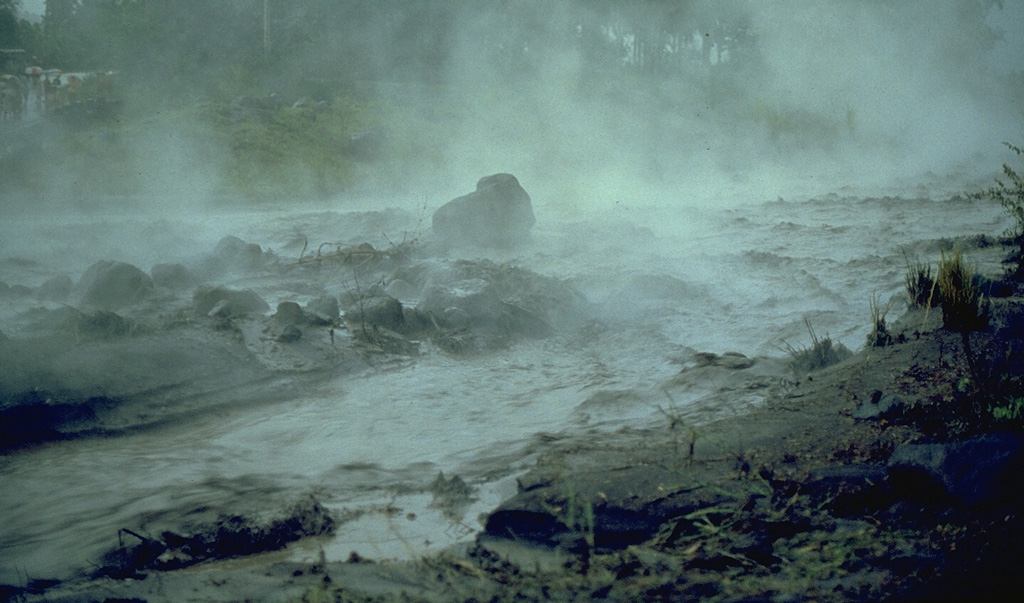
point(675, 473)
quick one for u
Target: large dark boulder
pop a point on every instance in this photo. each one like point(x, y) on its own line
point(111, 285)
point(977, 472)
point(497, 214)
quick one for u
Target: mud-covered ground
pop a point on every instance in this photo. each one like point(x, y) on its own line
point(873, 479)
point(676, 473)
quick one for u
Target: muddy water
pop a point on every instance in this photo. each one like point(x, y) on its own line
point(663, 281)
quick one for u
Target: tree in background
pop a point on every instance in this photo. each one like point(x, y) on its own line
point(9, 27)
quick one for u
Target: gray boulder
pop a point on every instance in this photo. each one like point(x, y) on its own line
point(108, 285)
point(172, 276)
point(497, 214)
point(289, 312)
point(322, 310)
point(56, 289)
point(223, 302)
point(235, 255)
point(377, 310)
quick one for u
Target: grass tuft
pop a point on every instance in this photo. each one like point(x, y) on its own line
point(822, 353)
point(921, 287)
point(961, 300)
point(879, 337)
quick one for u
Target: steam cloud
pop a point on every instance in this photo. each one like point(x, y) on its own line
point(816, 95)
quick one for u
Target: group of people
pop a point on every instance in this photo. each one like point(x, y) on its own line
point(47, 91)
point(13, 97)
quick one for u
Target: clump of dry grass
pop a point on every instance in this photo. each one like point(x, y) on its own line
point(961, 299)
point(821, 354)
point(879, 337)
point(921, 287)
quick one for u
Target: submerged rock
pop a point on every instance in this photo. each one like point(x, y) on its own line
point(497, 214)
point(56, 289)
point(290, 333)
point(227, 302)
point(382, 311)
point(289, 312)
point(235, 255)
point(172, 276)
point(111, 285)
point(322, 310)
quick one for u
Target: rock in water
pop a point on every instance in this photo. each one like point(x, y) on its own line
point(497, 214)
point(111, 285)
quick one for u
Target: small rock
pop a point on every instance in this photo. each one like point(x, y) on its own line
point(377, 311)
point(729, 360)
point(221, 309)
point(233, 254)
point(880, 406)
point(323, 310)
point(457, 318)
point(289, 312)
point(239, 302)
point(290, 333)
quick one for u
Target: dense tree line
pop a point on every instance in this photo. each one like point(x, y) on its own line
point(200, 45)
point(373, 39)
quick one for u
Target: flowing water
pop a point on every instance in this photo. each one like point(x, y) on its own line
point(663, 280)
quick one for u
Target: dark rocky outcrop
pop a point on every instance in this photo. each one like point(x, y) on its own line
point(111, 285)
point(977, 472)
point(497, 214)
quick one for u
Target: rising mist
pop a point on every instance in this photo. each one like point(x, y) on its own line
point(590, 102)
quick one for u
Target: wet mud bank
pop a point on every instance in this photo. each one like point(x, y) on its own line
point(669, 473)
point(866, 480)
point(122, 349)
point(869, 480)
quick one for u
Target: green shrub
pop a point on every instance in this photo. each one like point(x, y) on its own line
point(1010, 411)
point(1011, 197)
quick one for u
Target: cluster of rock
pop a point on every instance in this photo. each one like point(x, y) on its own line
point(215, 312)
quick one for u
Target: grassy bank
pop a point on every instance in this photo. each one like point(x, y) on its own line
point(258, 147)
